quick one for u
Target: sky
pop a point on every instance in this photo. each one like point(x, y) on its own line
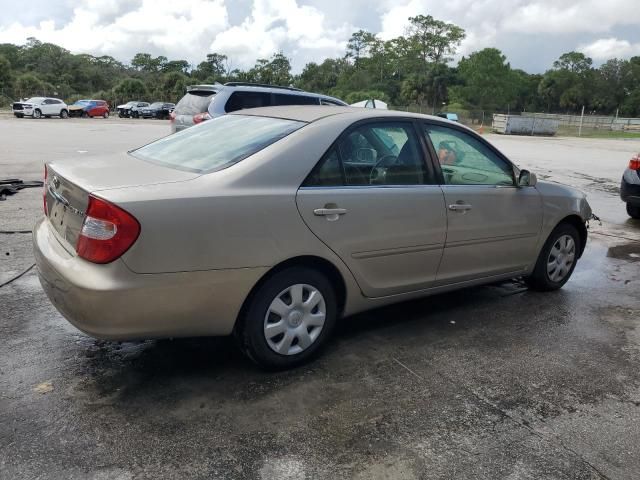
point(531, 33)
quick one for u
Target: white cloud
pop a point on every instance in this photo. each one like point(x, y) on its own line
point(275, 25)
point(606, 48)
point(177, 29)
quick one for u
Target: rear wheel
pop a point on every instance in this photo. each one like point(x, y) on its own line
point(37, 113)
point(633, 211)
point(288, 319)
point(557, 260)
point(105, 115)
point(64, 114)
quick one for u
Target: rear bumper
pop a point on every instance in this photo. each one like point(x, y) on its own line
point(630, 189)
point(111, 302)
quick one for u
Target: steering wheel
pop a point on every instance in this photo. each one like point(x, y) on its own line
point(379, 171)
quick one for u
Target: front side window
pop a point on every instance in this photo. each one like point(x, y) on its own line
point(465, 160)
point(373, 154)
point(218, 143)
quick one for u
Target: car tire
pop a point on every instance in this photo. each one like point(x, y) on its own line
point(301, 328)
point(120, 114)
point(19, 115)
point(135, 114)
point(37, 113)
point(557, 260)
point(64, 114)
point(105, 115)
point(633, 211)
point(85, 115)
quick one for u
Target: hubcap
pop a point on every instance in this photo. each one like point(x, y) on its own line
point(294, 319)
point(561, 258)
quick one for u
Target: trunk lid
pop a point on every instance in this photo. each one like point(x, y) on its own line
point(69, 184)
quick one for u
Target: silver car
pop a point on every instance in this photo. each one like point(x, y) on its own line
point(274, 223)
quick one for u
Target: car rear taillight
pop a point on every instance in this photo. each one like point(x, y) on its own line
point(44, 192)
point(201, 117)
point(634, 163)
point(107, 232)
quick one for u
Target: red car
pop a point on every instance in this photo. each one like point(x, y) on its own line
point(89, 108)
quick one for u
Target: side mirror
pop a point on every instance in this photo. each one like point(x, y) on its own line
point(527, 179)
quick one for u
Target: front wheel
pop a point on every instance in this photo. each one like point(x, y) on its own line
point(37, 113)
point(64, 114)
point(135, 114)
point(633, 211)
point(288, 319)
point(557, 260)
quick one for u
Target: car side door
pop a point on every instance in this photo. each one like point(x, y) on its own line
point(374, 201)
point(493, 224)
point(46, 107)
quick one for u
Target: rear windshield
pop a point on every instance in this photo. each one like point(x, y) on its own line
point(217, 143)
point(194, 102)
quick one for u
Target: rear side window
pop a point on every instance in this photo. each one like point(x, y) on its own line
point(194, 102)
point(218, 143)
point(242, 100)
point(284, 99)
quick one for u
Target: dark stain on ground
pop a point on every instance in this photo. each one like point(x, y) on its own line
point(628, 251)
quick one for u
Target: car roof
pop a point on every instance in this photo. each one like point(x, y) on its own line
point(312, 113)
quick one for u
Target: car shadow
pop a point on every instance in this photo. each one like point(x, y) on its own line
point(126, 373)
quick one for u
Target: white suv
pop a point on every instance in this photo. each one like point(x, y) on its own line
point(203, 102)
point(38, 107)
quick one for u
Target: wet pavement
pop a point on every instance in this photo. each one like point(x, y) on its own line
point(487, 383)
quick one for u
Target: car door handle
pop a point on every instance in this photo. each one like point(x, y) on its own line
point(460, 207)
point(329, 211)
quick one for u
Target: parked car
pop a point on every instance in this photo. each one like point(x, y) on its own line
point(89, 108)
point(203, 102)
point(371, 103)
point(273, 223)
point(449, 116)
point(131, 109)
point(630, 187)
point(38, 107)
point(157, 110)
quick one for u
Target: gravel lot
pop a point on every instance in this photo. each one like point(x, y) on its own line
point(492, 382)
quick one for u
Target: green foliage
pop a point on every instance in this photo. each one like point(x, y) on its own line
point(130, 89)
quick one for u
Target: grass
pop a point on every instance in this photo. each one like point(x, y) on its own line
point(591, 133)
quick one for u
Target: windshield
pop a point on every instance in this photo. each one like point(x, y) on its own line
point(82, 102)
point(194, 102)
point(156, 104)
point(218, 143)
point(34, 100)
point(134, 102)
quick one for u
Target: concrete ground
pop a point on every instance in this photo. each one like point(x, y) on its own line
point(488, 383)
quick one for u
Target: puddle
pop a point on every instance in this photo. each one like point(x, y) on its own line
point(628, 251)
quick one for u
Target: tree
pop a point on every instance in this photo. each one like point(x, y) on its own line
point(275, 71)
point(6, 77)
point(488, 82)
point(433, 40)
point(173, 86)
point(28, 85)
point(358, 45)
point(130, 89)
point(575, 62)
